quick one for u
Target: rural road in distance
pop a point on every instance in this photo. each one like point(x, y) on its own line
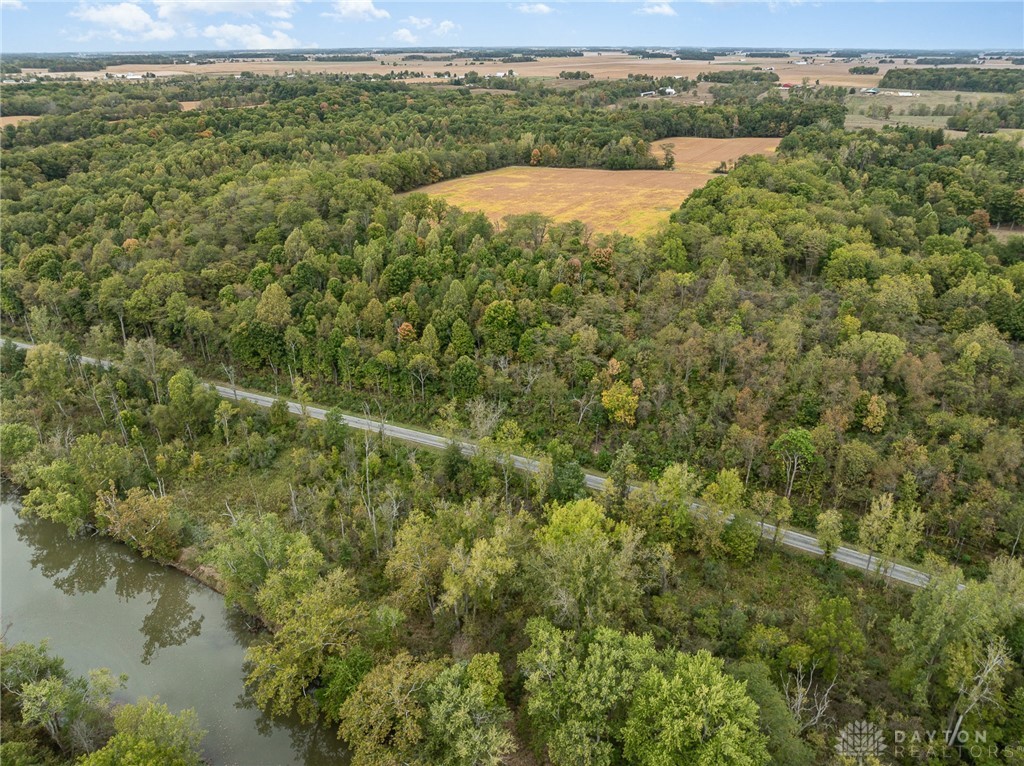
point(800, 541)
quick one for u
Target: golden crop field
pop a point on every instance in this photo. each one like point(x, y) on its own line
point(629, 201)
point(17, 119)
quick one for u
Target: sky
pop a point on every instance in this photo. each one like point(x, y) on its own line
point(197, 25)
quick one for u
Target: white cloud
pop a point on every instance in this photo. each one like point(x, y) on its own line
point(650, 8)
point(537, 8)
point(125, 21)
point(282, 25)
point(422, 23)
point(250, 36)
point(278, 9)
point(12, 5)
point(357, 10)
point(418, 22)
point(445, 27)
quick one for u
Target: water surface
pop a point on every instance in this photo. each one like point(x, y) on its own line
point(101, 605)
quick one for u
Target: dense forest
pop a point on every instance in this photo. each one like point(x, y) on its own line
point(951, 78)
point(829, 339)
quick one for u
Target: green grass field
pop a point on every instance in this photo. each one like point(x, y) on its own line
point(860, 107)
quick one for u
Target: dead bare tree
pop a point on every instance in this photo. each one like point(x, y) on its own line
point(807, 700)
point(585, 403)
point(484, 416)
point(980, 688)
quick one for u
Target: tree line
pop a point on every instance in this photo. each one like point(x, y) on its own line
point(956, 78)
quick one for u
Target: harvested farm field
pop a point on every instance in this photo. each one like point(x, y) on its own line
point(707, 153)
point(602, 65)
point(629, 201)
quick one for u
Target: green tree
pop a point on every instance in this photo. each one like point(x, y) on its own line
point(421, 368)
point(795, 449)
point(500, 328)
point(467, 715)
point(146, 732)
point(874, 529)
point(148, 523)
point(47, 376)
point(578, 693)
point(830, 531)
point(891, 530)
point(385, 719)
point(834, 636)
point(16, 441)
point(58, 493)
point(465, 378)
point(75, 712)
point(246, 552)
point(324, 620)
point(274, 308)
point(588, 567)
point(285, 583)
point(417, 563)
point(190, 406)
point(951, 645)
point(724, 499)
point(463, 343)
point(473, 578)
point(692, 712)
point(785, 745)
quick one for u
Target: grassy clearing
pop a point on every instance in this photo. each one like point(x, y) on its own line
point(17, 119)
point(630, 201)
point(862, 106)
point(706, 153)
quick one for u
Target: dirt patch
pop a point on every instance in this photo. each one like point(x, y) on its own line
point(188, 106)
point(629, 201)
point(1003, 233)
point(188, 562)
point(17, 119)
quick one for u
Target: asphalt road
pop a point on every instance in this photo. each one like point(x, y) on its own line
point(788, 537)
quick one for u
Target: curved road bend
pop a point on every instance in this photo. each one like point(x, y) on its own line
point(800, 541)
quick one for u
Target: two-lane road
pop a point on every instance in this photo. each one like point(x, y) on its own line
point(800, 541)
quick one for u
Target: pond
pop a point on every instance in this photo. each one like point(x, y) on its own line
point(101, 605)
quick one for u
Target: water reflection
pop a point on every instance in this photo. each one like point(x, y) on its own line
point(94, 600)
point(172, 620)
point(311, 743)
point(76, 569)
